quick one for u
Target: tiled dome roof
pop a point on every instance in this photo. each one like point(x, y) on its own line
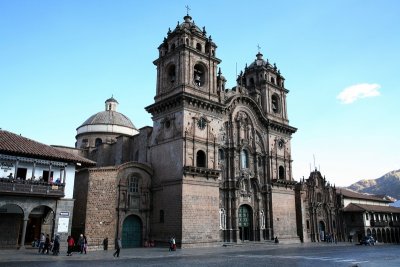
point(109, 117)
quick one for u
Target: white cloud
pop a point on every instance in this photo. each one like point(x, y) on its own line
point(355, 92)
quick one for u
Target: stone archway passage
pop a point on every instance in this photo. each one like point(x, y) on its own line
point(132, 232)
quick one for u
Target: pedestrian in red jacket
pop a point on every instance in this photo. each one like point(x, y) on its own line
point(71, 243)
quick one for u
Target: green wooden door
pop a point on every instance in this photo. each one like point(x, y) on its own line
point(245, 228)
point(132, 232)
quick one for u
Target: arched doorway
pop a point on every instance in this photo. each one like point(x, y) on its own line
point(245, 222)
point(379, 235)
point(132, 232)
point(11, 224)
point(321, 230)
point(41, 220)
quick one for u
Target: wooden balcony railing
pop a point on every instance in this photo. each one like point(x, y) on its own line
point(30, 188)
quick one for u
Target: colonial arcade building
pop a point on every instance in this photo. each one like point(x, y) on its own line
point(36, 188)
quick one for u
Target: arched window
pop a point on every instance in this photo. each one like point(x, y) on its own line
point(198, 46)
point(171, 74)
point(244, 156)
point(221, 155)
point(251, 81)
point(275, 103)
point(281, 173)
point(273, 80)
point(201, 159)
point(172, 47)
point(262, 220)
point(98, 142)
point(199, 75)
point(222, 220)
point(133, 184)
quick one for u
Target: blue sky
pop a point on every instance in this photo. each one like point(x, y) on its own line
point(60, 60)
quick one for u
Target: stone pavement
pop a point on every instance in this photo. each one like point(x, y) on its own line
point(31, 254)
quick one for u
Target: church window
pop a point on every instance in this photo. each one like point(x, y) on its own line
point(308, 224)
point(262, 220)
point(98, 142)
point(161, 216)
point(275, 103)
point(273, 80)
point(133, 184)
point(222, 220)
point(259, 161)
point(251, 81)
point(244, 156)
point(201, 159)
point(171, 74)
point(366, 216)
point(187, 41)
point(198, 46)
point(213, 53)
point(172, 47)
point(221, 155)
point(281, 173)
point(199, 75)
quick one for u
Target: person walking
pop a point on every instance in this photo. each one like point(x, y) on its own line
point(81, 243)
point(84, 244)
point(46, 245)
point(56, 245)
point(42, 239)
point(118, 246)
point(71, 243)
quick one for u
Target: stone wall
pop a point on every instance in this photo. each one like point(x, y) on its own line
point(200, 212)
point(101, 215)
point(168, 199)
point(284, 213)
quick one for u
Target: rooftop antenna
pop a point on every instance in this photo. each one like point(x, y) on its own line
point(187, 10)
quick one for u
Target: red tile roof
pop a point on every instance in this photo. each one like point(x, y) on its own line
point(352, 207)
point(352, 194)
point(13, 144)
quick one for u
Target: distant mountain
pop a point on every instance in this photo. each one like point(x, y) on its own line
point(388, 184)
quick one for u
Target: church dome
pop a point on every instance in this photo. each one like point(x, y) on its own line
point(108, 121)
point(109, 117)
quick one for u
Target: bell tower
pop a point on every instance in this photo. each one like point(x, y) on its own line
point(186, 114)
point(187, 62)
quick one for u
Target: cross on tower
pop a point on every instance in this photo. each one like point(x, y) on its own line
point(187, 9)
point(258, 47)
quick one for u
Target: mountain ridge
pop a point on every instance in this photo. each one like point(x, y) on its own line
point(388, 184)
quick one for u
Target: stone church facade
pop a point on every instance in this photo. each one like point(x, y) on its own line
point(216, 165)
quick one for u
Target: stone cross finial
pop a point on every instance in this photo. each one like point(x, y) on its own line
point(187, 9)
point(258, 47)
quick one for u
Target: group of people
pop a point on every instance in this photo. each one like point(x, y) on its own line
point(82, 243)
point(46, 244)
